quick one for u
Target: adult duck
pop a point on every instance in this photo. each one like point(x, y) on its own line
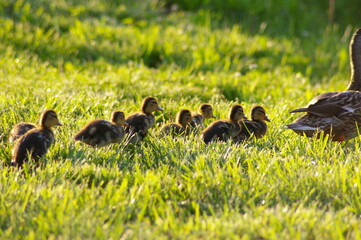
point(337, 114)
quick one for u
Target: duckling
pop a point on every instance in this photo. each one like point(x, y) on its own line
point(139, 123)
point(35, 143)
point(257, 127)
point(181, 127)
point(99, 133)
point(205, 112)
point(19, 130)
point(224, 130)
point(337, 114)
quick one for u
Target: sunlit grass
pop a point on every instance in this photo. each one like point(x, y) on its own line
point(85, 61)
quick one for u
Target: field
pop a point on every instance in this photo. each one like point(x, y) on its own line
point(85, 59)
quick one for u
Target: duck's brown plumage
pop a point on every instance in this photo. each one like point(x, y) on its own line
point(256, 127)
point(337, 114)
point(99, 133)
point(355, 61)
point(140, 122)
point(205, 111)
point(224, 130)
point(36, 142)
point(181, 127)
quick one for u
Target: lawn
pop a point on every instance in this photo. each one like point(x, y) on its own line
point(85, 59)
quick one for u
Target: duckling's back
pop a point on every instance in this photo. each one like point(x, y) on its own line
point(219, 130)
point(138, 126)
point(100, 133)
point(34, 143)
point(172, 129)
point(252, 128)
point(197, 120)
point(19, 130)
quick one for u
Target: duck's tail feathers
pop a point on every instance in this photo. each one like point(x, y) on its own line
point(300, 127)
point(299, 110)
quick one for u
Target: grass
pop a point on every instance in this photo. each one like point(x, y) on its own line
point(86, 60)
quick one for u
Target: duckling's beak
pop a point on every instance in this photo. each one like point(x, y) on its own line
point(126, 124)
point(245, 118)
point(214, 116)
point(160, 109)
point(267, 119)
point(59, 124)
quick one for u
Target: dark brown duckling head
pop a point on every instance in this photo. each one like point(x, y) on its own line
point(355, 61)
point(49, 119)
point(236, 113)
point(184, 117)
point(150, 104)
point(206, 111)
point(118, 118)
point(259, 114)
